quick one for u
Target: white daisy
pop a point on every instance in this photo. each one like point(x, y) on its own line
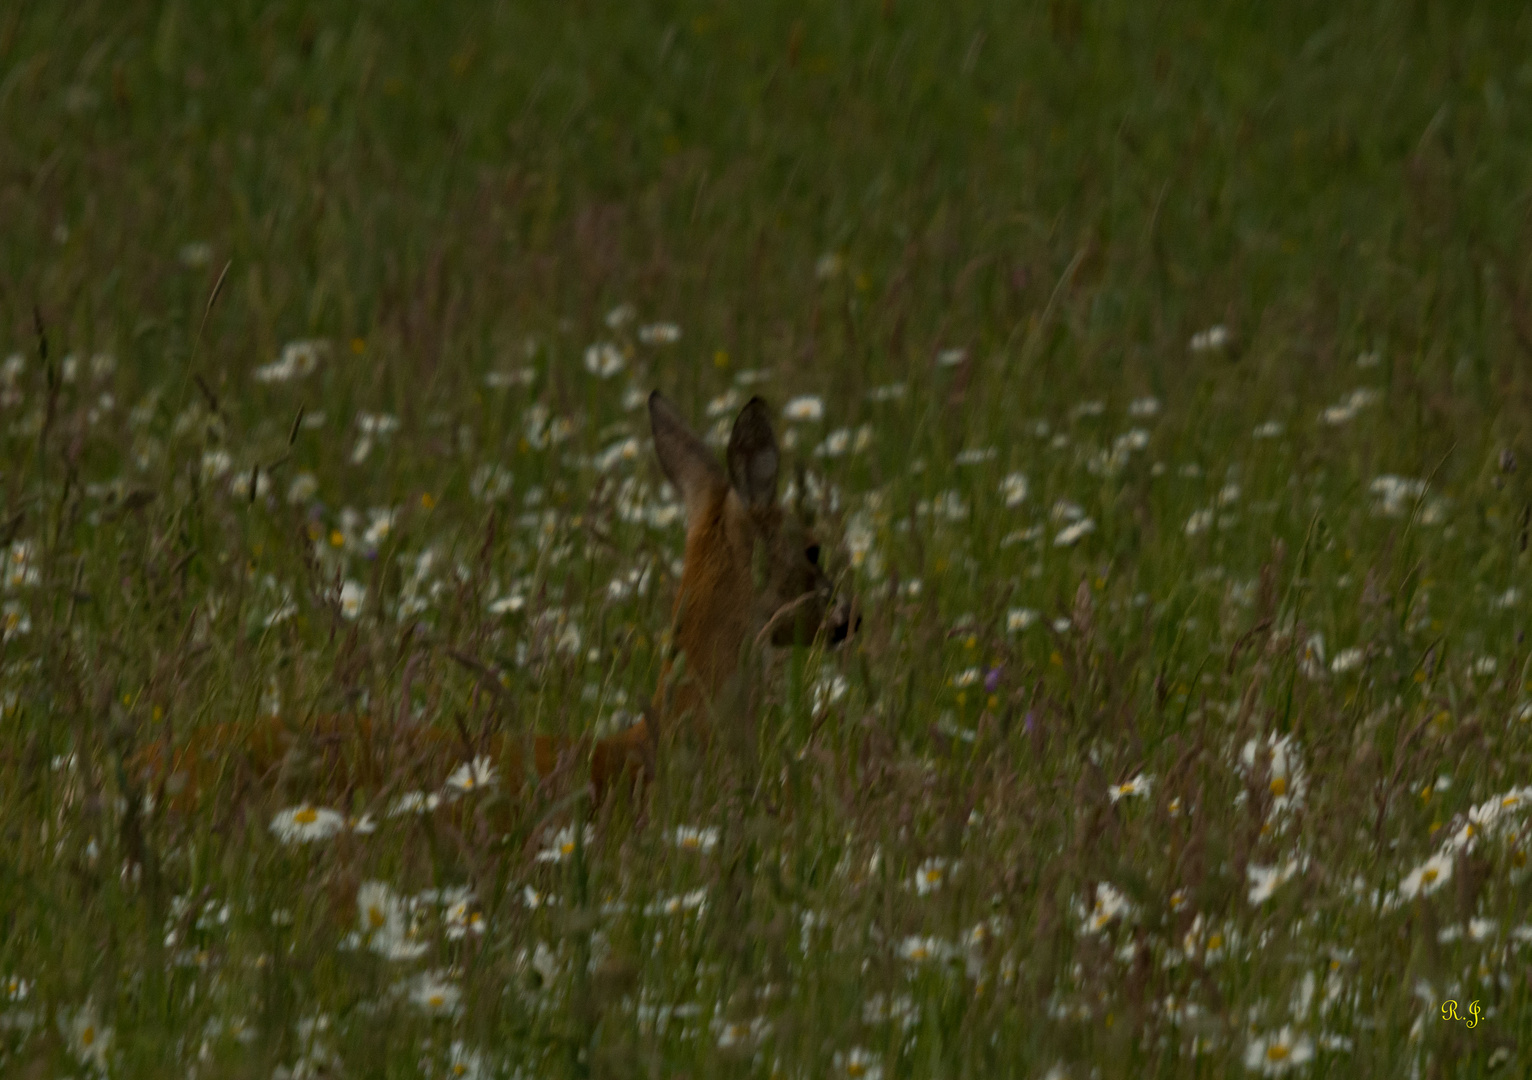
point(414, 802)
point(88, 1040)
point(858, 1064)
point(1266, 880)
point(473, 775)
point(1139, 785)
point(353, 594)
point(604, 360)
point(1429, 876)
point(1278, 1052)
point(930, 875)
point(303, 823)
point(659, 334)
point(562, 844)
point(803, 408)
point(692, 838)
point(432, 992)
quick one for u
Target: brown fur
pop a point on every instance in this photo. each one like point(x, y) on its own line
point(750, 571)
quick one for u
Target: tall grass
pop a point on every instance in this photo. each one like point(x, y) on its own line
point(1173, 364)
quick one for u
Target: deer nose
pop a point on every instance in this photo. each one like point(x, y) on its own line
point(844, 621)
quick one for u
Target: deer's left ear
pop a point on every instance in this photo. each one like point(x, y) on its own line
point(753, 456)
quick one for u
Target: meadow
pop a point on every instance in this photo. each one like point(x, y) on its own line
point(1159, 378)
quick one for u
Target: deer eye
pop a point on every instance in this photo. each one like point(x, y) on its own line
point(812, 553)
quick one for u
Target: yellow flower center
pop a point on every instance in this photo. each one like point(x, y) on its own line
point(88, 1036)
point(856, 1068)
point(375, 917)
point(1279, 786)
point(1215, 941)
point(1278, 1052)
point(436, 1001)
point(306, 816)
point(1429, 876)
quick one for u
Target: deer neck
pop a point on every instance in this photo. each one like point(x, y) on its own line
point(714, 611)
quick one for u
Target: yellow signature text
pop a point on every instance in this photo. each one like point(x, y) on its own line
point(1470, 1019)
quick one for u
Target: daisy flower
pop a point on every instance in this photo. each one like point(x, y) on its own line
point(917, 949)
point(1211, 339)
point(353, 594)
point(930, 875)
point(604, 360)
point(1021, 618)
point(303, 823)
point(385, 923)
point(659, 334)
point(1073, 534)
point(473, 775)
point(466, 1063)
point(562, 845)
point(858, 1064)
point(1139, 785)
point(461, 919)
point(696, 900)
point(414, 802)
point(88, 1040)
point(693, 838)
point(804, 407)
point(1109, 906)
point(1426, 878)
point(1275, 1054)
point(433, 993)
point(1266, 880)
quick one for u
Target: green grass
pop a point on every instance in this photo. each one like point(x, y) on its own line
point(839, 196)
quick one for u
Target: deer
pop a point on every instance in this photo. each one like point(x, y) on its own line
point(751, 576)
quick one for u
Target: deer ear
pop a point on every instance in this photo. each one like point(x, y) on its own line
point(688, 463)
point(753, 456)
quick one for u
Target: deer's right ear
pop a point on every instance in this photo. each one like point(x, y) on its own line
point(753, 455)
point(688, 463)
